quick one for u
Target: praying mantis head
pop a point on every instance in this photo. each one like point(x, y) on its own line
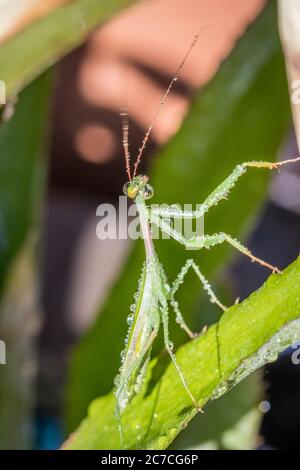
point(138, 186)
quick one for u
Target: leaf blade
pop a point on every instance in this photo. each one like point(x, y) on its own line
point(249, 335)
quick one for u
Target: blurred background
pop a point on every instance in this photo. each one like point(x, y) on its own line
point(63, 291)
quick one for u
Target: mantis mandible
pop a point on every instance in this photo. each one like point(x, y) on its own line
point(155, 294)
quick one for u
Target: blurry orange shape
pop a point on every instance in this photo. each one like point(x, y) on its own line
point(158, 33)
point(95, 143)
point(113, 84)
point(153, 37)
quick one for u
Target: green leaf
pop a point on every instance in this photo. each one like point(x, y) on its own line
point(22, 171)
point(41, 44)
point(231, 422)
point(246, 337)
point(22, 139)
point(241, 115)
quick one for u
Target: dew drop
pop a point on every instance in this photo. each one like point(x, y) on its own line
point(264, 406)
point(117, 380)
point(130, 320)
point(272, 356)
point(167, 287)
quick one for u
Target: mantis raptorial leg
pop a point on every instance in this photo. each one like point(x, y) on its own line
point(208, 241)
point(221, 192)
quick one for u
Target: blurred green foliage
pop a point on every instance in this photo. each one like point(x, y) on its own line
point(22, 170)
point(22, 182)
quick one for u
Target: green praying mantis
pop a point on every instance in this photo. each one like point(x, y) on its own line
point(155, 295)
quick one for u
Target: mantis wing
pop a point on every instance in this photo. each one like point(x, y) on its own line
point(144, 325)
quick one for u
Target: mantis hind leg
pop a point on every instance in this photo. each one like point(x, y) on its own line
point(207, 287)
point(169, 348)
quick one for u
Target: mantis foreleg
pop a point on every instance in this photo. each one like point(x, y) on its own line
point(208, 241)
point(221, 192)
point(218, 238)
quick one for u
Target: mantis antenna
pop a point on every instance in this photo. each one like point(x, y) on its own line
point(163, 101)
point(125, 130)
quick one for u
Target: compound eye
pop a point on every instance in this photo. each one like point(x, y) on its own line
point(148, 191)
point(125, 188)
